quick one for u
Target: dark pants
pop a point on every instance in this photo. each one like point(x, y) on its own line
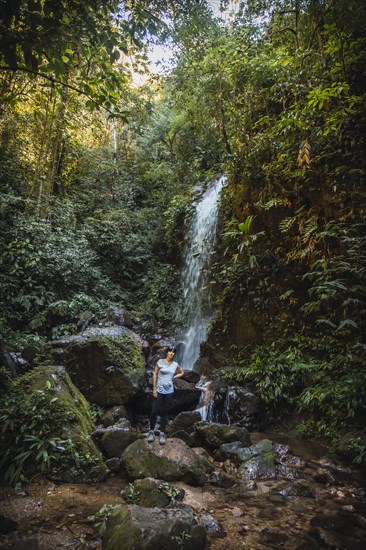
point(160, 406)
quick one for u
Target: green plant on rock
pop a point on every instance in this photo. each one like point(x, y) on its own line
point(174, 493)
point(132, 494)
point(100, 518)
point(35, 434)
point(182, 539)
point(278, 376)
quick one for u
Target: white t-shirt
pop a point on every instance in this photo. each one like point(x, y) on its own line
point(165, 376)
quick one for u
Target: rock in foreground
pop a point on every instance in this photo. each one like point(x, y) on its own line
point(137, 528)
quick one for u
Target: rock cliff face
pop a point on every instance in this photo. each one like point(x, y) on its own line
point(258, 270)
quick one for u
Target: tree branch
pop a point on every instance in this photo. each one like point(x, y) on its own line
point(55, 81)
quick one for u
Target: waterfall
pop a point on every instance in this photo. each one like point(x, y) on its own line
point(197, 310)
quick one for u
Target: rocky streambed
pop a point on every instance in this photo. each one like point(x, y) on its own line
point(301, 500)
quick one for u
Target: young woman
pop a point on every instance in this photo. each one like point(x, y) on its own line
point(166, 370)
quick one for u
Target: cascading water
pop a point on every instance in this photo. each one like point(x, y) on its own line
point(197, 309)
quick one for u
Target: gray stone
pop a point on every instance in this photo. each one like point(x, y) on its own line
point(213, 435)
point(117, 438)
point(259, 467)
point(172, 461)
point(213, 527)
point(137, 528)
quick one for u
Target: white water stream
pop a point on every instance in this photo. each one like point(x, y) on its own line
point(197, 310)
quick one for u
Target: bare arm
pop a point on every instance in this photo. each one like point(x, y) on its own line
point(154, 380)
point(178, 373)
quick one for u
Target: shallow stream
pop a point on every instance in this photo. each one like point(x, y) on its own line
point(322, 506)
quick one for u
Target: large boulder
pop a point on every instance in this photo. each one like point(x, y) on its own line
point(213, 435)
point(137, 528)
point(186, 396)
point(109, 371)
point(117, 438)
point(182, 427)
point(171, 462)
point(51, 415)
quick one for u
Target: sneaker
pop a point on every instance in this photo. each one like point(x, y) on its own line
point(162, 438)
point(150, 436)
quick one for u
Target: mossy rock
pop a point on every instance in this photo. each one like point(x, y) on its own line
point(108, 371)
point(52, 424)
point(137, 528)
point(170, 462)
point(259, 467)
point(213, 435)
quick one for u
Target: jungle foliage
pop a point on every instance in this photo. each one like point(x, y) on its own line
point(97, 177)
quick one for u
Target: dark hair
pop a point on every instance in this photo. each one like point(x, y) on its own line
point(171, 348)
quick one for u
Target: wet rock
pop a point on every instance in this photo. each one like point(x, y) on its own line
point(242, 407)
point(7, 525)
point(230, 450)
point(109, 371)
point(117, 438)
point(324, 476)
point(213, 435)
point(213, 527)
point(259, 467)
point(257, 461)
point(173, 461)
point(281, 451)
point(150, 492)
point(135, 527)
point(288, 473)
point(283, 455)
